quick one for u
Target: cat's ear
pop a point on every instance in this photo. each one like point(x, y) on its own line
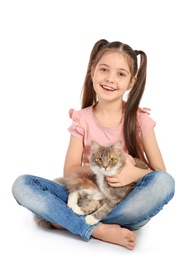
point(94, 145)
point(118, 145)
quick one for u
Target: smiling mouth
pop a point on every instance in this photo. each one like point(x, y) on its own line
point(107, 88)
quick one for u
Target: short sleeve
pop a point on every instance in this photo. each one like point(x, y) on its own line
point(146, 123)
point(76, 129)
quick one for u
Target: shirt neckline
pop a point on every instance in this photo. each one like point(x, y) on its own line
point(106, 127)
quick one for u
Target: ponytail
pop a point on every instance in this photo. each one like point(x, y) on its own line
point(131, 126)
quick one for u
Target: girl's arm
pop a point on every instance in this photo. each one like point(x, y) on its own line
point(73, 159)
point(130, 173)
point(152, 151)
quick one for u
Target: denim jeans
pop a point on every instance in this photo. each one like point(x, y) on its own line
point(47, 199)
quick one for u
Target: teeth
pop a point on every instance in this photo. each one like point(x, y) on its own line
point(106, 87)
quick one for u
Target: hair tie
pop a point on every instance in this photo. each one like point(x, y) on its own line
point(104, 45)
point(136, 52)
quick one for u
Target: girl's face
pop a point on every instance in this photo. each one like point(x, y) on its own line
point(112, 77)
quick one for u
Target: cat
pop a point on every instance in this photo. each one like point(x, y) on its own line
point(109, 161)
point(90, 194)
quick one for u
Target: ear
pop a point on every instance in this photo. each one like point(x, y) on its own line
point(118, 145)
point(94, 145)
point(132, 83)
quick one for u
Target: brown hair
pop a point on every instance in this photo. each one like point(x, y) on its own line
point(89, 98)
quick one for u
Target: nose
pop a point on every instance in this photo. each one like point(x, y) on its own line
point(110, 78)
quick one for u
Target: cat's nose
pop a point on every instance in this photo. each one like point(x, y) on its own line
point(105, 167)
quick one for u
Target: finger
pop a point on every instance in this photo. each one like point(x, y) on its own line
point(111, 179)
point(113, 184)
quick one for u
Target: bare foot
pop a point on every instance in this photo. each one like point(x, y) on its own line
point(57, 226)
point(115, 234)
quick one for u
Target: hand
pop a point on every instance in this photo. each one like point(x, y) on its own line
point(130, 173)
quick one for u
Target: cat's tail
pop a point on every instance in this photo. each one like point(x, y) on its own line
point(78, 181)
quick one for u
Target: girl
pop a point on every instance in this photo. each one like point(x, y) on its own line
point(106, 117)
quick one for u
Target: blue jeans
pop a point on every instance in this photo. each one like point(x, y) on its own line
point(47, 199)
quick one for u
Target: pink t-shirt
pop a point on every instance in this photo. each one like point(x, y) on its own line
point(85, 127)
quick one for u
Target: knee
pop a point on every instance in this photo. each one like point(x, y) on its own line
point(165, 183)
point(18, 186)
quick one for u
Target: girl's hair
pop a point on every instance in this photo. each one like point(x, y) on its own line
point(89, 98)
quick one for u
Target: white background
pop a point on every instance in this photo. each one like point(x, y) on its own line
point(44, 51)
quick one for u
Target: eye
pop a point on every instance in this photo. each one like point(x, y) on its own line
point(103, 69)
point(121, 74)
point(99, 159)
point(112, 160)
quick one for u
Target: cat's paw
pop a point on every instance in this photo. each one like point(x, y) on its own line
point(77, 210)
point(72, 204)
point(91, 220)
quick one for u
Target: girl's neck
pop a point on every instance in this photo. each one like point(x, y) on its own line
point(110, 107)
point(109, 114)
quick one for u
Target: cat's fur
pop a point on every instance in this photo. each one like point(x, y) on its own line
point(109, 161)
point(90, 194)
point(84, 195)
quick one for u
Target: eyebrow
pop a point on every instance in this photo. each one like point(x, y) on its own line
point(103, 64)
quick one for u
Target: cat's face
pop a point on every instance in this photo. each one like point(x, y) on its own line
point(106, 160)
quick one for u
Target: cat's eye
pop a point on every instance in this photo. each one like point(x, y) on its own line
point(99, 160)
point(112, 160)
